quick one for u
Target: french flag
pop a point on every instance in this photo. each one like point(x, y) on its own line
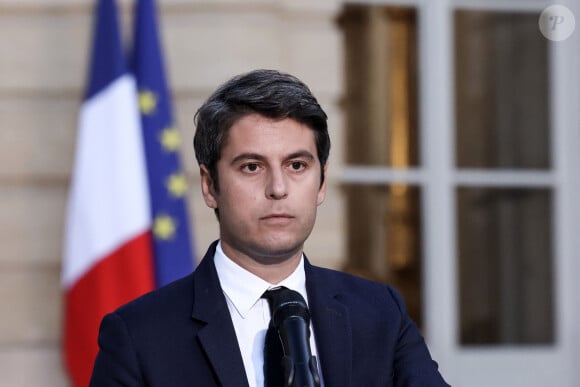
point(115, 231)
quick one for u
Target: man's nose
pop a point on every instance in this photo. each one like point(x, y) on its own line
point(277, 187)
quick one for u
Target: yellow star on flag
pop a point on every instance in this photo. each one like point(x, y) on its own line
point(147, 102)
point(164, 227)
point(177, 184)
point(170, 139)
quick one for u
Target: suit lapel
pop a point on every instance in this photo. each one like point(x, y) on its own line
point(217, 337)
point(332, 330)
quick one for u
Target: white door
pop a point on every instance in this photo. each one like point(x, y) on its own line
point(506, 317)
point(499, 176)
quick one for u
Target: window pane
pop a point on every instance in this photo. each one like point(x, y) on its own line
point(381, 85)
point(505, 266)
point(501, 86)
point(384, 238)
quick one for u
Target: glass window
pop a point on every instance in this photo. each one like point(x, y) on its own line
point(504, 235)
point(383, 236)
point(501, 91)
point(381, 85)
point(505, 266)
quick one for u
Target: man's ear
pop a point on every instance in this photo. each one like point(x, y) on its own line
point(322, 189)
point(208, 187)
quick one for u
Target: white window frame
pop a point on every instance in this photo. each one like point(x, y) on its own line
point(438, 178)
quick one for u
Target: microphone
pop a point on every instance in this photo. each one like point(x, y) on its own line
point(292, 320)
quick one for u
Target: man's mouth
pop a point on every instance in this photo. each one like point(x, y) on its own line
point(280, 218)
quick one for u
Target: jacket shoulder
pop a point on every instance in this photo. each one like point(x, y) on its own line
point(351, 284)
point(175, 296)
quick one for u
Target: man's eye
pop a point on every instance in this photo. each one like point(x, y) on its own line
point(297, 165)
point(251, 167)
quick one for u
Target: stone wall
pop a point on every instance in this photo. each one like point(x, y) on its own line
point(43, 66)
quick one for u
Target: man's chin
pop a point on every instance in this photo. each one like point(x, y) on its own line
point(276, 252)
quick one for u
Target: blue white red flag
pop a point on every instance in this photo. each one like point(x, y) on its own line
point(109, 253)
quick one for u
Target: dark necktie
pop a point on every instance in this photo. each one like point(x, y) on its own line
point(273, 351)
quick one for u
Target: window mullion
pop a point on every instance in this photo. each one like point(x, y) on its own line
point(435, 70)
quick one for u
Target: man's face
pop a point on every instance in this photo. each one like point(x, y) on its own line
point(269, 188)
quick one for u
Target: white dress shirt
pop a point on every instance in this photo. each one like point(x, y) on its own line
point(250, 313)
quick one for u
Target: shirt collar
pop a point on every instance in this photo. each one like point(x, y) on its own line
point(244, 289)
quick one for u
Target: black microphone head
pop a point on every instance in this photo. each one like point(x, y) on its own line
point(291, 305)
point(291, 318)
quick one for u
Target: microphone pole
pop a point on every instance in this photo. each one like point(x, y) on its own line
point(292, 319)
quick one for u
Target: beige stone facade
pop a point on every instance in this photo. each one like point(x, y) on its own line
point(43, 65)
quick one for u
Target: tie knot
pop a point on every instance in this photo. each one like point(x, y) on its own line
point(282, 295)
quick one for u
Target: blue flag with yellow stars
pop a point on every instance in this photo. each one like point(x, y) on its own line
point(167, 181)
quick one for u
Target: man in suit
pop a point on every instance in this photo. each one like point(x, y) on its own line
point(262, 145)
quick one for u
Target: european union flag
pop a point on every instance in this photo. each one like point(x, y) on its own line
point(167, 181)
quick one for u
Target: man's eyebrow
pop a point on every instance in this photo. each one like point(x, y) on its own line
point(256, 156)
point(247, 156)
point(300, 154)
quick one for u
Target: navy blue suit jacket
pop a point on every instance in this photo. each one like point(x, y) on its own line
point(182, 335)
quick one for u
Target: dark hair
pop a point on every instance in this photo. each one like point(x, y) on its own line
point(270, 93)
